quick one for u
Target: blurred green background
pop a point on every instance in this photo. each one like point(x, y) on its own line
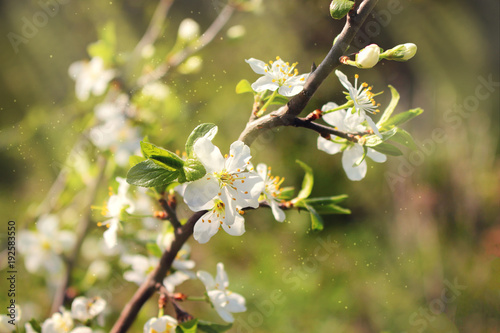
point(420, 252)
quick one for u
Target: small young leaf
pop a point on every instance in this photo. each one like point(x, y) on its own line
point(286, 193)
point(187, 326)
point(327, 200)
point(401, 118)
point(150, 174)
point(243, 86)
point(404, 138)
point(387, 149)
point(324, 206)
point(193, 170)
point(169, 159)
point(390, 108)
point(209, 327)
point(374, 140)
point(307, 183)
point(203, 130)
point(316, 219)
point(154, 249)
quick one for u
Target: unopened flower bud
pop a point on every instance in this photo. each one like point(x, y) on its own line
point(402, 52)
point(340, 8)
point(368, 57)
point(189, 30)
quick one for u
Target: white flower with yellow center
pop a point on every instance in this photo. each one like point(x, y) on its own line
point(362, 98)
point(62, 323)
point(271, 190)
point(351, 152)
point(84, 309)
point(224, 301)
point(165, 324)
point(226, 188)
point(277, 75)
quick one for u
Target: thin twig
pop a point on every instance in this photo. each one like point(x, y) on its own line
point(171, 214)
point(325, 131)
point(286, 115)
point(81, 232)
point(147, 289)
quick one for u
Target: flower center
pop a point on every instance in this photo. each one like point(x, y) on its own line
point(281, 71)
point(363, 99)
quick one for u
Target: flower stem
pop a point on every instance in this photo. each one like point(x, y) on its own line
point(346, 105)
point(269, 101)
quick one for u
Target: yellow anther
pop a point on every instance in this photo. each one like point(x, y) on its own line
point(356, 76)
point(277, 58)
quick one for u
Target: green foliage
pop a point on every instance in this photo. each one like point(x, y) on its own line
point(243, 87)
point(105, 47)
point(400, 119)
point(154, 249)
point(209, 327)
point(150, 174)
point(200, 131)
point(35, 325)
point(390, 108)
point(307, 183)
point(340, 8)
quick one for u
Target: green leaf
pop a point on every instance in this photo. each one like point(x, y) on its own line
point(150, 174)
point(187, 326)
point(193, 170)
point(209, 327)
point(243, 87)
point(387, 149)
point(203, 130)
point(307, 183)
point(390, 108)
point(327, 200)
point(316, 219)
point(170, 160)
point(154, 249)
point(35, 325)
point(404, 138)
point(401, 118)
point(326, 206)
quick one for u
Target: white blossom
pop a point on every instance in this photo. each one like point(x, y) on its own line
point(91, 77)
point(277, 75)
point(189, 30)
point(61, 322)
point(352, 152)
point(226, 188)
point(84, 309)
point(362, 97)
point(165, 324)
point(43, 248)
point(224, 301)
point(271, 190)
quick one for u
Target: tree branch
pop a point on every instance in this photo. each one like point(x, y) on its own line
point(325, 131)
point(285, 116)
point(147, 289)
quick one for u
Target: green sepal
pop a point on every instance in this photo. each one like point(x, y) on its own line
point(189, 326)
point(362, 158)
point(400, 118)
point(387, 149)
point(154, 249)
point(307, 183)
point(150, 174)
point(403, 137)
point(243, 87)
point(390, 108)
point(208, 130)
point(209, 327)
point(286, 193)
point(35, 325)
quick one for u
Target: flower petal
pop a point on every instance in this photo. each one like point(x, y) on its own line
point(199, 194)
point(207, 279)
point(206, 227)
point(328, 146)
point(278, 213)
point(239, 155)
point(221, 278)
point(376, 156)
point(208, 154)
point(373, 126)
point(343, 80)
point(237, 228)
point(236, 302)
point(351, 156)
point(258, 66)
point(265, 83)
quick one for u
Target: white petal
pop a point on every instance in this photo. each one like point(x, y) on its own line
point(290, 90)
point(264, 83)
point(328, 146)
point(258, 66)
point(373, 126)
point(236, 302)
point(175, 279)
point(221, 278)
point(81, 329)
point(351, 156)
point(343, 80)
point(237, 228)
point(239, 155)
point(204, 230)
point(279, 214)
point(376, 156)
point(336, 118)
point(207, 279)
point(209, 155)
point(200, 193)
point(262, 170)
point(110, 235)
